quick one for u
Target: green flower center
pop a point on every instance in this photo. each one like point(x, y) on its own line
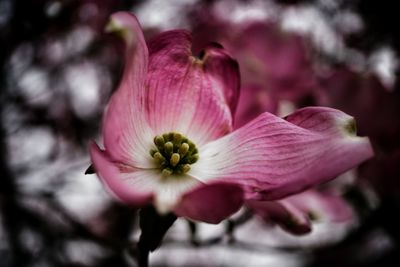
point(174, 153)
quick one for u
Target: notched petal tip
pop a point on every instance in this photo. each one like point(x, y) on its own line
point(124, 25)
point(215, 51)
point(115, 27)
point(350, 127)
point(211, 49)
point(324, 119)
point(200, 57)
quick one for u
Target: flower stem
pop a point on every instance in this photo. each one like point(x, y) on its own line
point(154, 226)
point(143, 254)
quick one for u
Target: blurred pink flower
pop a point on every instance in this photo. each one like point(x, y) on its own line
point(376, 110)
point(296, 213)
point(252, 102)
point(365, 97)
point(278, 62)
point(168, 134)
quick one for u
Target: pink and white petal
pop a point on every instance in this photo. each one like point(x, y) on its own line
point(274, 158)
point(169, 191)
point(211, 203)
point(127, 136)
point(116, 181)
point(182, 94)
point(283, 213)
point(140, 186)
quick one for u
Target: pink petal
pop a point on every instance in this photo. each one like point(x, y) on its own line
point(274, 158)
point(224, 71)
point(127, 136)
point(336, 209)
point(138, 187)
point(295, 213)
point(111, 176)
point(319, 205)
point(189, 94)
point(324, 206)
point(211, 203)
point(286, 215)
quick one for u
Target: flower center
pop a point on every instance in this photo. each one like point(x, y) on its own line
point(174, 153)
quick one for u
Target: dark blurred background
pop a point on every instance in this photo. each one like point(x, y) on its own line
point(58, 70)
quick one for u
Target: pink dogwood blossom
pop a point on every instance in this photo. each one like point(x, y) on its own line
point(169, 139)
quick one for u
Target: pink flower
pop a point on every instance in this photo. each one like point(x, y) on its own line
point(296, 213)
point(275, 60)
point(253, 101)
point(377, 112)
point(168, 134)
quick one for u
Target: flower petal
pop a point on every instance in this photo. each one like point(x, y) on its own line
point(274, 158)
point(140, 186)
point(127, 136)
point(211, 203)
point(112, 177)
point(224, 71)
point(283, 213)
point(184, 94)
point(296, 213)
point(169, 192)
point(323, 206)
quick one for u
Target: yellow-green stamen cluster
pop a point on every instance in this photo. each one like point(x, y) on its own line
point(174, 153)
